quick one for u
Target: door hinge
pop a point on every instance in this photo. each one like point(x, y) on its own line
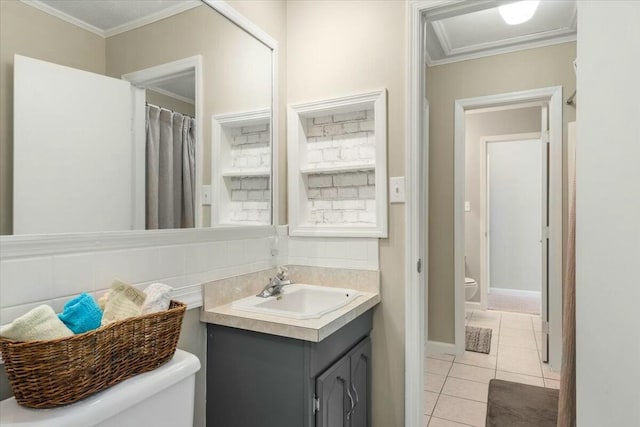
point(546, 233)
point(316, 404)
point(545, 137)
point(545, 327)
point(419, 266)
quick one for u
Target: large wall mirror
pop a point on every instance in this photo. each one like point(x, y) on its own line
point(133, 115)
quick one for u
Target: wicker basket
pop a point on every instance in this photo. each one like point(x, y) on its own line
point(46, 374)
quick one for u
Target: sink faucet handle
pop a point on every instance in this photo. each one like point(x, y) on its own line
point(283, 273)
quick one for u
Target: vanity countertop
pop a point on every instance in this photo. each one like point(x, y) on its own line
point(314, 330)
point(304, 329)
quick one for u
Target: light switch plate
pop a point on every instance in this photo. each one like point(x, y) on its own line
point(467, 206)
point(205, 196)
point(396, 189)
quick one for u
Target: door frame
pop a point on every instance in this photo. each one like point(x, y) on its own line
point(416, 213)
point(140, 79)
point(551, 96)
point(485, 211)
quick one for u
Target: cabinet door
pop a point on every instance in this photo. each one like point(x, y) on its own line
point(360, 361)
point(331, 389)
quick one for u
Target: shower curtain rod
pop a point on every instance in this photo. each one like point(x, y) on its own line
point(165, 108)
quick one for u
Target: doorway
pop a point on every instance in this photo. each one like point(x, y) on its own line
point(512, 217)
point(549, 100)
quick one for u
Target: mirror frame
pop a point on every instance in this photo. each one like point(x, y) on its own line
point(12, 246)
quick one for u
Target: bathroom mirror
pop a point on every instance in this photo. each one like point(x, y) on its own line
point(111, 117)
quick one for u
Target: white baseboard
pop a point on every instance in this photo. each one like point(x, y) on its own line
point(437, 347)
point(471, 305)
point(515, 292)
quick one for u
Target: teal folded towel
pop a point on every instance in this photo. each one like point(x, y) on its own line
point(81, 314)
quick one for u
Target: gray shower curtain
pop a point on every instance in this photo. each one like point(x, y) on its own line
point(170, 169)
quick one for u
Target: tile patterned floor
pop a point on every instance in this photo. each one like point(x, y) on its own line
point(456, 387)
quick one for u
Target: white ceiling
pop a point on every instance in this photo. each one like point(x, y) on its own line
point(110, 17)
point(468, 30)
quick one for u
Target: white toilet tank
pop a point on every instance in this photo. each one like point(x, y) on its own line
point(162, 397)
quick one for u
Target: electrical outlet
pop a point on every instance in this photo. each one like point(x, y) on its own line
point(467, 206)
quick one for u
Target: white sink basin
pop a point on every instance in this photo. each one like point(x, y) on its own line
point(299, 301)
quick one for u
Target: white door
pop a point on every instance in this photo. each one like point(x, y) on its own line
point(514, 199)
point(73, 150)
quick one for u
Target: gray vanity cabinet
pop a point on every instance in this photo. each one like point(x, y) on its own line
point(344, 390)
point(257, 379)
point(333, 404)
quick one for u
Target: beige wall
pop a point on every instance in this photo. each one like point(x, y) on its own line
point(337, 48)
point(522, 120)
point(166, 101)
point(528, 69)
point(236, 67)
point(271, 16)
point(27, 31)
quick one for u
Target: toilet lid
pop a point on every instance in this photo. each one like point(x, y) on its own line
point(468, 280)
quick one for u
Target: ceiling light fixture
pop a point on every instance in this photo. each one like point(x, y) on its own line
point(518, 12)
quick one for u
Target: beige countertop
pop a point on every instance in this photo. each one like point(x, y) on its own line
point(219, 296)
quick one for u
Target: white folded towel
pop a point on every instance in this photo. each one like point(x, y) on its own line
point(158, 298)
point(39, 324)
point(124, 301)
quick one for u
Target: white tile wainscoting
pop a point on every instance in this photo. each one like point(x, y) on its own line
point(28, 281)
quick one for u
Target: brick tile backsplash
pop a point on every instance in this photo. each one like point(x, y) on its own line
point(341, 139)
point(342, 198)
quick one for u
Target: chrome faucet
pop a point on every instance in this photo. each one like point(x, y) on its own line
point(275, 285)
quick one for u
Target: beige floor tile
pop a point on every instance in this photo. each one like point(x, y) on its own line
point(489, 314)
point(435, 366)
point(506, 331)
point(439, 356)
point(425, 421)
point(537, 324)
point(433, 382)
point(525, 340)
point(439, 422)
point(472, 373)
point(430, 400)
point(524, 324)
point(489, 323)
point(461, 410)
point(550, 383)
point(511, 315)
point(495, 341)
point(478, 359)
point(513, 320)
point(538, 336)
point(548, 373)
point(519, 360)
point(466, 389)
point(519, 378)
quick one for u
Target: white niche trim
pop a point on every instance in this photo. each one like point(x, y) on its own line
point(241, 173)
point(337, 157)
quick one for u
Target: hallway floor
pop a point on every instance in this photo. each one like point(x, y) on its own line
point(456, 387)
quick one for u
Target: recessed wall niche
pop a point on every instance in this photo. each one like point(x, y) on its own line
point(242, 168)
point(337, 167)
